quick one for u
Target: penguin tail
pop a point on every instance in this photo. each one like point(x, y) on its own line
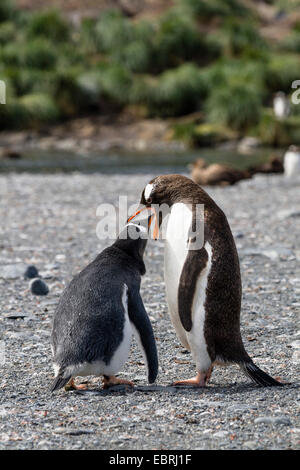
point(258, 376)
point(59, 382)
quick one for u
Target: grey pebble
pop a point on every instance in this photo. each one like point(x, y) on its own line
point(12, 271)
point(273, 420)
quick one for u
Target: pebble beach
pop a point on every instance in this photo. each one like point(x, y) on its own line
point(50, 221)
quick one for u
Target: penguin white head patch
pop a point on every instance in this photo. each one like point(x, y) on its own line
point(148, 190)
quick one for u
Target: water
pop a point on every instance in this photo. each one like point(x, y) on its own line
point(41, 161)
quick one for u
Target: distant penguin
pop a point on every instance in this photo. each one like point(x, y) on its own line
point(291, 162)
point(99, 311)
point(203, 285)
point(281, 105)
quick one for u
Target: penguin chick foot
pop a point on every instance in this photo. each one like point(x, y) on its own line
point(72, 386)
point(112, 380)
point(200, 380)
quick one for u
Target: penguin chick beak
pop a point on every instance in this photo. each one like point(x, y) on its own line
point(150, 219)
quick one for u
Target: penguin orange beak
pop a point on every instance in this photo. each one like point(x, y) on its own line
point(151, 217)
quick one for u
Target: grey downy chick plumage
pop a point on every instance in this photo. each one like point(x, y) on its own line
point(98, 312)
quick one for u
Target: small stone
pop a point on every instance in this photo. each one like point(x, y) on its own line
point(296, 357)
point(250, 444)
point(220, 434)
point(282, 420)
point(60, 258)
point(288, 213)
point(31, 272)
point(264, 420)
point(12, 271)
point(15, 316)
point(44, 444)
point(239, 235)
point(273, 420)
point(38, 287)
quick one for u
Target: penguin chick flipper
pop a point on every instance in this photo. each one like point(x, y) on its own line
point(59, 382)
point(143, 332)
point(259, 376)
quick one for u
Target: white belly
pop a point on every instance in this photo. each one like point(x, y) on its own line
point(291, 164)
point(176, 251)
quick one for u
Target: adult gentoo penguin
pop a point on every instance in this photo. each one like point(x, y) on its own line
point(291, 162)
point(203, 286)
point(98, 312)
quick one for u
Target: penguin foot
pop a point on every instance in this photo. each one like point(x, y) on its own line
point(109, 381)
point(208, 374)
point(200, 380)
point(72, 386)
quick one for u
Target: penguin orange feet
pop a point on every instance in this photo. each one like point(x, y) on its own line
point(109, 381)
point(200, 380)
point(72, 386)
point(208, 374)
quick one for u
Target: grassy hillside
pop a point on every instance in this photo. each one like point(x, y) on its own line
point(207, 57)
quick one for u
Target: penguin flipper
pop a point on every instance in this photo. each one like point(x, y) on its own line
point(143, 332)
point(195, 262)
point(59, 382)
point(259, 376)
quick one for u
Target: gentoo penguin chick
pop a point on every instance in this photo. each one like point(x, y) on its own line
point(291, 161)
point(203, 285)
point(98, 312)
point(216, 174)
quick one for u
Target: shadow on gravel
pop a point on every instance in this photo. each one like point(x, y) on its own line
point(211, 390)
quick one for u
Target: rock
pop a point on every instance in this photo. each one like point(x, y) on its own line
point(15, 316)
point(60, 258)
point(221, 434)
point(250, 444)
point(12, 271)
point(44, 444)
point(273, 253)
point(38, 287)
point(46, 275)
point(288, 213)
point(282, 420)
point(296, 357)
point(273, 420)
point(239, 235)
point(31, 272)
